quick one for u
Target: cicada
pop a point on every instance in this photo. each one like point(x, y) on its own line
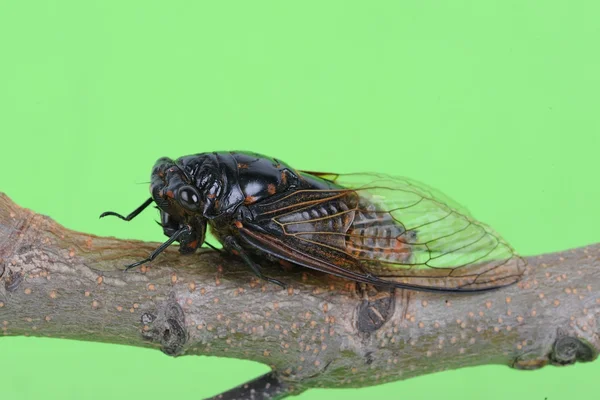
point(377, 229)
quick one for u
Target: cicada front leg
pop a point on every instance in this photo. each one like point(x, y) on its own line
point(234, 247)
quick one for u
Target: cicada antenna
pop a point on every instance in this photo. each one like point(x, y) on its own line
point(132, 215)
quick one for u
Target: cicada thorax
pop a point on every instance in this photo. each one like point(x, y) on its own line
point(226, 180)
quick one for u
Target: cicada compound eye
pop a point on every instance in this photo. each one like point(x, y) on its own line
point(189, 198)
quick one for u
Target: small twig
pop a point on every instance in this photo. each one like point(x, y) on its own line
point(267, 386)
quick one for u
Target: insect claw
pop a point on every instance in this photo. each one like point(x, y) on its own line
point(276, 282)
point(129, 267)
point(136, 264)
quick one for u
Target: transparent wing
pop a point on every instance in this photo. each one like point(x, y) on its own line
point(405, 232)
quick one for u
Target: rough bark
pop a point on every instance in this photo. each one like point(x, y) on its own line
point(319, 332)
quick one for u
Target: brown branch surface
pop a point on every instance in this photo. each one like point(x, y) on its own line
point(320, 332)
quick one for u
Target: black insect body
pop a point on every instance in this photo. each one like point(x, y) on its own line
point(371, 228)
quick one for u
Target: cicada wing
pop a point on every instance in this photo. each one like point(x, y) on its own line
point(360, 180)
point(290, 249)
point(328, 176)
point(393, 230)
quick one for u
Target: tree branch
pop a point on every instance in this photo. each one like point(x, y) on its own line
point(320, 332)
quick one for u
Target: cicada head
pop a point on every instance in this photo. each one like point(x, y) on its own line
point(179, 201)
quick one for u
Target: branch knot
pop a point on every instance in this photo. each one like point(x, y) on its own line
point(568, 349)
point(167, 327)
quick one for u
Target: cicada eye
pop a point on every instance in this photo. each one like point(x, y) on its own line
point(189, 198)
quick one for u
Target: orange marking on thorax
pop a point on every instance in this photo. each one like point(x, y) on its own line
point(170, 194)
point(242, 166)
point(271, 188)
point(238, 224)
point(284, 177)
point(249, 200)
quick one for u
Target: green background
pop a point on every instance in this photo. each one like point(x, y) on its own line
point(494, 103)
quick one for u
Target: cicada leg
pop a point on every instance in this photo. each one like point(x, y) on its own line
point(184, 230)
point(214, 248)
point(233, 246)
